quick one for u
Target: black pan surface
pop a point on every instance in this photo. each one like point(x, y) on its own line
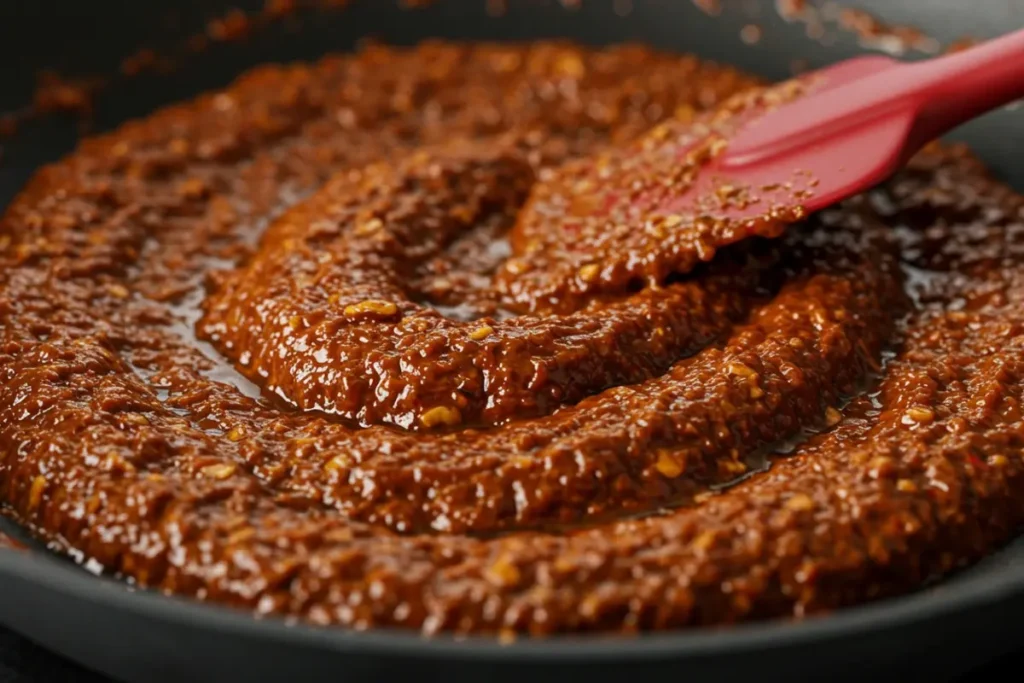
point(136, 635)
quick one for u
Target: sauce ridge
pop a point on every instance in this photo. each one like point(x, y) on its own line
point(405, 338)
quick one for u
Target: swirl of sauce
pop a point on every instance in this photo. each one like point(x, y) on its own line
point(411, 338)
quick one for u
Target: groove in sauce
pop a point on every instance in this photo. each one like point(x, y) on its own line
point(380, 341)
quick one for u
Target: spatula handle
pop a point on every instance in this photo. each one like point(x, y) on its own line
point(958, 87)
point(935, 96)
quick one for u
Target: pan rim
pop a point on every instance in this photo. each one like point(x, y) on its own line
point(981, 588)
point(948, 598)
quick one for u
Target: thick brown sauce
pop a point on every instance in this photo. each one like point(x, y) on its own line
point(455, 385)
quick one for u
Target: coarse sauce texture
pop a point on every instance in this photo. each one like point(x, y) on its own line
point(403, 338)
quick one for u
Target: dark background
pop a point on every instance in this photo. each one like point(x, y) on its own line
point(87, 38)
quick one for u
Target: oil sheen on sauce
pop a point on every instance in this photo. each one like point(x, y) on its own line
point(404, 339)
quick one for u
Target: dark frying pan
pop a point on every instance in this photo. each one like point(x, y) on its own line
point(140, 636)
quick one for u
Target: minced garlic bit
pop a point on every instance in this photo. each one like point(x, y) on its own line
point(741, 370)
point(481, 332)
point(918, 414)
point(589, 272)
point(371, 307)
point(338, 462)
point(832, 416)
point(906, 486)
point(669, 465)
point(35, 493)
point(118, 291)
point(503, 572)
point(441, 415)
point(219, 471)
point(800, 502)
point(369, 227)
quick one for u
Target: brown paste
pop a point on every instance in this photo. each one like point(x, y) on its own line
point(410, 338)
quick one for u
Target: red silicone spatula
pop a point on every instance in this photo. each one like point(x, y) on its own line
point(862, 120)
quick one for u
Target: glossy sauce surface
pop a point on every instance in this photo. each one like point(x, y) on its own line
point(408, 338)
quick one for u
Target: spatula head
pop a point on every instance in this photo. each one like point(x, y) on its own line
point(669, 201)
point(780, 158)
